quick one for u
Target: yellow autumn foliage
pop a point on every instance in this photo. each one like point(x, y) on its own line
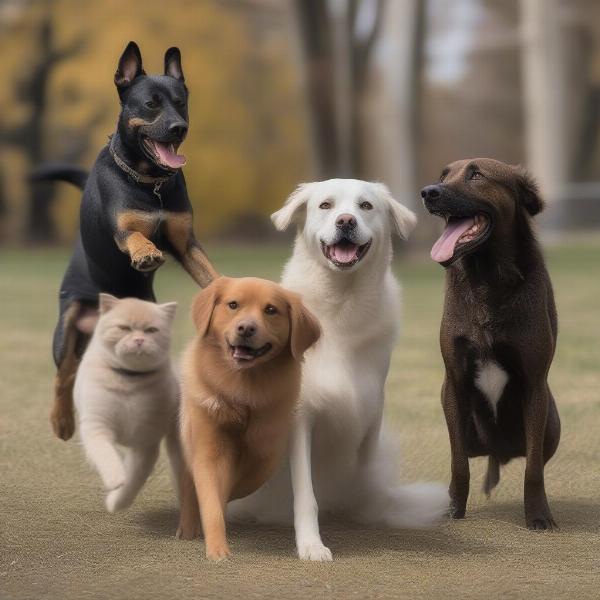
point(247, 147)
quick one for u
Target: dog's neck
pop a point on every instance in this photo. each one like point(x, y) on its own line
point(131, 155)
point(503, 264)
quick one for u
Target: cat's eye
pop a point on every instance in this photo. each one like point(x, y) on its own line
point(124, 328)
point(151, 330)
point(365, 205)
point(270, 309)
point(325, 205)
point(232, 305)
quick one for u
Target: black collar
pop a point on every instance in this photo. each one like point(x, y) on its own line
point(129, 373)
point(137, 177)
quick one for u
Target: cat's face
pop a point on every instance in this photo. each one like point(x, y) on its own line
point(137, 334)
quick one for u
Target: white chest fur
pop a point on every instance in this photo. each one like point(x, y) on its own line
point(490, 380)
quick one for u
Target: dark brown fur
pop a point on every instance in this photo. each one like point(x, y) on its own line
point(499, 306)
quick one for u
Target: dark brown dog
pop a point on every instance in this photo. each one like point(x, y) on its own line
point(498, 331)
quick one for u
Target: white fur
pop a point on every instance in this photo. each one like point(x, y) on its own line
point(133, 411)
point(339, 460)
point(491, 380)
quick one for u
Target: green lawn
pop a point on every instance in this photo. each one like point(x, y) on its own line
point(56, 540)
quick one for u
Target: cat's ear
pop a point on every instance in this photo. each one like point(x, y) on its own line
point(106, 302)
point(169, 309)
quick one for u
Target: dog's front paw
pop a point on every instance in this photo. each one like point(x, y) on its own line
point(148, 260)
point(217, 551)
point(542, 523)
point(188, 532)
point(63, 424)
point(314, 550)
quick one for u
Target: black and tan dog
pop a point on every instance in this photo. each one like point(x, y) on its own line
point(498, 331)
point(134, 207)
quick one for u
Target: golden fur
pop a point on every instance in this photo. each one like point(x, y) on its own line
point(236, 412)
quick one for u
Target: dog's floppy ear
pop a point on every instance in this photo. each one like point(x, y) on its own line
point(304, 327)
point(528, 191)
point(403, 218)
point(130, 66)
point(173, 64)
point(106, 302)
point(204, 305)
point(289, 211)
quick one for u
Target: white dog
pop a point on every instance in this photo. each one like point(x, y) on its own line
point(338, 459)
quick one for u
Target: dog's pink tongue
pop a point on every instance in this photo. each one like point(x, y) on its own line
point(168, 156)
point(443, 249)
point(344, 253)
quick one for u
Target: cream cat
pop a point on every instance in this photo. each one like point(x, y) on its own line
point(126, 393)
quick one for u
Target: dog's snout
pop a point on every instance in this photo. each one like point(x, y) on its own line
point(431, 192)
point(178, 129)
point(345, 221)
point(246, 328)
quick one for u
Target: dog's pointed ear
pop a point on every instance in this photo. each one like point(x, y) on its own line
point(106, 302)
point(204, 305)
point(528, 191)
point(173, 64)
point(130, 66)
point(304, 327)
point(290, 211)
point(403, 218)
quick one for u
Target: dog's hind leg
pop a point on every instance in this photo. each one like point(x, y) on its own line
point(68, 348)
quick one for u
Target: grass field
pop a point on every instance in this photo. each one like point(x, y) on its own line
point(57, 541)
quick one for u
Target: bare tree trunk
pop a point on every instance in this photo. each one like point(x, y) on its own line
point(543, 82)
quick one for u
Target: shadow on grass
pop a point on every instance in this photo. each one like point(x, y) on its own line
point(345, 539)
point(572, 514)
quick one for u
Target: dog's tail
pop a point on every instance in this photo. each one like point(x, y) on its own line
point(492, 477)
point(410, 506)
point(60, 172)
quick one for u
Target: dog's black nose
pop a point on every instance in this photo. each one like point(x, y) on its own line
point(431, 192)
point(178, 129)
point(246, 328)
point(345, 222)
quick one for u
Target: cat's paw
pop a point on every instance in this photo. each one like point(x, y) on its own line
point(148, 260)
point(115, 479)
point(117, 500)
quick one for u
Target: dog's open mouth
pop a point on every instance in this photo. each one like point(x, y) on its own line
point(345, 253)
point(164, 154)
point(459, 231)
point(246, 354)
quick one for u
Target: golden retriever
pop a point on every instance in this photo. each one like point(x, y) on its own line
point(240, 383)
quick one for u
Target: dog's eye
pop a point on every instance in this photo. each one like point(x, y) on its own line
point(232, 305)
point(124, 328)
point(476, 175)
point(270, 309)
point(151, 104)
point(325, 205)
point(151, 330)
point(366, 205)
